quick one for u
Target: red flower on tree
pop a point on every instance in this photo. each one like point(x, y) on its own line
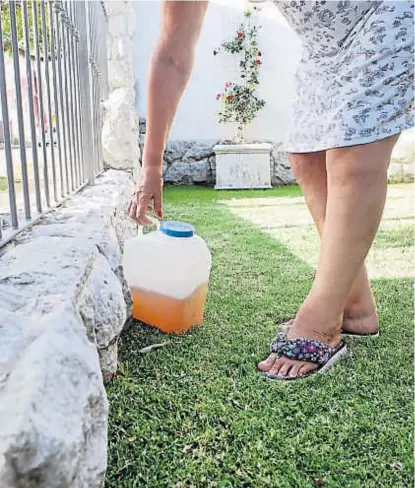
point(240, 102)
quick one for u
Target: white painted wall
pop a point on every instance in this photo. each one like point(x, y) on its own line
point(196, 117)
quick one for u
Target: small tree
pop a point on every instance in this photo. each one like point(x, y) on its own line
point(240, 102)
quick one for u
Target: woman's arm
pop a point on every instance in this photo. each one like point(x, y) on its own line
point(170, 69)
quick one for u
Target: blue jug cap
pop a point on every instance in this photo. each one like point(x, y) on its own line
point(177, 229)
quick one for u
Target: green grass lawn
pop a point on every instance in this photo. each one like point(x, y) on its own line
point(194, 195)
point(3, 183)
point(197, 414)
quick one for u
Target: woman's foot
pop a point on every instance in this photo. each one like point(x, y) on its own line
point(361, 317)
point(311, 323)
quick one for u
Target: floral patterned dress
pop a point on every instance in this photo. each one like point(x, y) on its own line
point(355, 82)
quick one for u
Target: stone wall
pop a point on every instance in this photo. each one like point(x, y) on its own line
point(63, 304)
point(120, 129)
point(194, 163)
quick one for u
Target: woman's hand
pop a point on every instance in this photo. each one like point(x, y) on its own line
point(147, 196)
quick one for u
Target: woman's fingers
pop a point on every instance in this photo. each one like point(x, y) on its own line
point(141, 212)
point(158, 205)
point(138, 212)
point(148, 197)
point(132, 210)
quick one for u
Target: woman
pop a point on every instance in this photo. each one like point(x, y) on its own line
point(354, 96)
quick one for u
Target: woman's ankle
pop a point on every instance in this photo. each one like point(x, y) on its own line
point(317, 317)
point(364, 305)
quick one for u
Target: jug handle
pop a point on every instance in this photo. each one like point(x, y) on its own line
point(154, 222)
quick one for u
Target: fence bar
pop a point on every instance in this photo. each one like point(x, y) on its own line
point(74, 53)
point(78, 90)
point(64, 19)
point(54, 54)
point(48, 93)
point(97, 103)
point(70, 91)
point(41, 106)
point(91, 75)
point(85, 84)
point(6, 129)
point(94, 82)
point(70, 32)
point(103, 52)
point(25, 17)
point(59, 49)
point(19, 107)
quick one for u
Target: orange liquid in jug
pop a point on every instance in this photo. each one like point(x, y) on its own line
point(169, 314)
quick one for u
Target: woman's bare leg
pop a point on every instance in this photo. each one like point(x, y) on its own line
point(310, 171)
point(356, 191)
point(311, 174)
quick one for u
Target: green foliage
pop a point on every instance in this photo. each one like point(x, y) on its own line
point(3, 183)
point(240, 102)
point(6, 26)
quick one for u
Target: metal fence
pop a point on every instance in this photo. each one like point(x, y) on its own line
point(53, 79)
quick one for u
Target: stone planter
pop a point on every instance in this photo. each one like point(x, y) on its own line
point(244, 166)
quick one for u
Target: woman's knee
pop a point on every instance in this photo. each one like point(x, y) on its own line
point(307, 165)
point(359, 164)
point(347, 166)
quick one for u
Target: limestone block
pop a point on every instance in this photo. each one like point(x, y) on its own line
point(53, 406)
point(117, 133)
point(103, 309)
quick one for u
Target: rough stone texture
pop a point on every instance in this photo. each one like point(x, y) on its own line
point(53, 408)
point(189, 162)
point(120, 149)
point(62, 308)
point(281, 173)
point(121, 126)
point(194, 162)
point(104, 312)
point(403, 158)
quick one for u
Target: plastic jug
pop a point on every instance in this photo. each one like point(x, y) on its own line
point(168, 273)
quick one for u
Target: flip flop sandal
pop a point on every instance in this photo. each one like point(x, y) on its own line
point(284, 326)
point(307, 350)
